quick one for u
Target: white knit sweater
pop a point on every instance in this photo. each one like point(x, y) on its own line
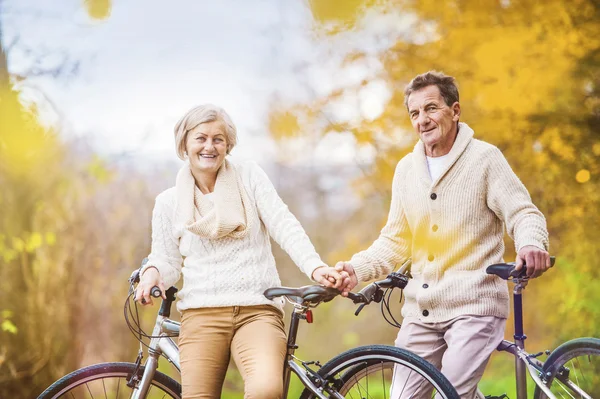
point(229, 271)
point(453, 228)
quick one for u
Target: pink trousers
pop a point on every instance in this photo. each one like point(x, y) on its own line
point(460, 348)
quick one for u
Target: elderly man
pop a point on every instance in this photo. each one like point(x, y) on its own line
point(452, 197)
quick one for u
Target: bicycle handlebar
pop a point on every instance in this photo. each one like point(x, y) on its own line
point(155, 292)
point(374, 291)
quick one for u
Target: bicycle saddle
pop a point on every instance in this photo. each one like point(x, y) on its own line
point(507, 271)
point(308, 293)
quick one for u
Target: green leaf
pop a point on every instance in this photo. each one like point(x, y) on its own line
point(9, 326)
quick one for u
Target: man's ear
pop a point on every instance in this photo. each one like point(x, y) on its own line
point(456, 111)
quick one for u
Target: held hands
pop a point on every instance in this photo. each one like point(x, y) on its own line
point(350, 280)
point(149, 279)
point(329, 277)
point(537, 260)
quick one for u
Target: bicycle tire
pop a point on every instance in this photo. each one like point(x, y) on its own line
point(80, 381)
point(344, 370)
point(562, 363)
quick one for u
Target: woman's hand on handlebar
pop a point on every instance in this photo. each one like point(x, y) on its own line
point(149, 279)
point(350, 280)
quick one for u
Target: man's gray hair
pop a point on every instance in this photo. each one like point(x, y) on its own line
point(446, 84)
point(202, 114)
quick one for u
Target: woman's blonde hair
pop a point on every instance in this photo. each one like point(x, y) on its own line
point(202, 114)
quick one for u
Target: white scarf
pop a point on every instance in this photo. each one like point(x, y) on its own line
point(228, 214)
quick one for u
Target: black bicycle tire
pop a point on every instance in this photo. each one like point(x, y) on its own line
point(115, 368)
point(331, 367)
point(565, 352)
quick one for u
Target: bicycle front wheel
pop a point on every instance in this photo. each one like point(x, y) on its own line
point(573, 370)
point(379, 371)
point(109, 380)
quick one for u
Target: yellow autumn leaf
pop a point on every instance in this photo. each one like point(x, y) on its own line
point(582, 176)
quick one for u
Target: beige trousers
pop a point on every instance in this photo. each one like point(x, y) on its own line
point(253, 335)
point(460, 348)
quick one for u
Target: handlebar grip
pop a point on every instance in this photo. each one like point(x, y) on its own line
point(155, 292)
point(357, 298)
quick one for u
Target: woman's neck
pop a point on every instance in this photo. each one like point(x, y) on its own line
point(205, 181)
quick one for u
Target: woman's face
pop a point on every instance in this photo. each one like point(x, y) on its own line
point(206, 146)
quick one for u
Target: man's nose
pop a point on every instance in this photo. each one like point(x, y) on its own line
point(423, 119)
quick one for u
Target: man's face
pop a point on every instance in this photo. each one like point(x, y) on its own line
point(434, 121)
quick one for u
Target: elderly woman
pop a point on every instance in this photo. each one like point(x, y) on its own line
point(216, 221)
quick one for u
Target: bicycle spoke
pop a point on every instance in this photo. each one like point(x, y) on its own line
point(118, 385)
point(419, 387)
point(405, 383)
point(574, 369)
point(383, 381)
point(88, 388)
point(561, 385)
point(367, 375)
point(104, 387)
point(358, 385)
point(581, 368)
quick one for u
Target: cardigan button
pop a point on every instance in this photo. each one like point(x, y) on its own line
point(425, 313)
point(430, 258)
point(425, 285)
point(434, 228)
point(433, 196)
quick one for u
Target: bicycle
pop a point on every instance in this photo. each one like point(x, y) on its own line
point(572, 370)
point(364, 372)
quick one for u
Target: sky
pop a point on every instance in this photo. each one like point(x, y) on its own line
point(142, 68)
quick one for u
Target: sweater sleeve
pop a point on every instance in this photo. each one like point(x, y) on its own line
point(164, 254)
point(394, 242)
point(508, 198)
point(281, 224)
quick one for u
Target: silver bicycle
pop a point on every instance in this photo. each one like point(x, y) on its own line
point(363, 372)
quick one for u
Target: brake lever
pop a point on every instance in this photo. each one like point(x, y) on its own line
point(135, 277)
point(360, 308)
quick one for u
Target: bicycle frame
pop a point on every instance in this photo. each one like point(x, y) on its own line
point(299, 313)
point(163, 345)
point(523, 360)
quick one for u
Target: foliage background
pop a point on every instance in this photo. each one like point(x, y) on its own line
point(73, 224)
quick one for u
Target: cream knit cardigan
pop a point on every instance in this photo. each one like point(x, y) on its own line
point(229, 271)
point(453, 228)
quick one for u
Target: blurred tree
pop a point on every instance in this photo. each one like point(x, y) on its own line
point(64, 216)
